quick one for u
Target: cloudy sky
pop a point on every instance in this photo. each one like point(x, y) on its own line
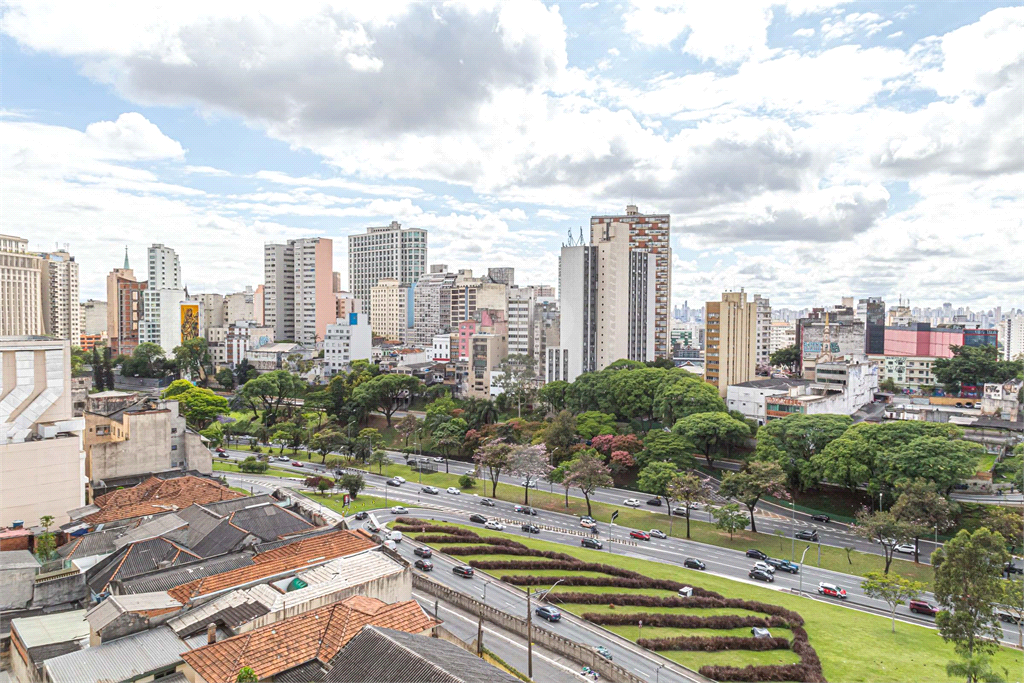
point(806, 149)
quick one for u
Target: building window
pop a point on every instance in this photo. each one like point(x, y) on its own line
point(174, 447)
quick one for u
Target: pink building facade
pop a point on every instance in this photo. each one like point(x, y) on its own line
point(921, 341)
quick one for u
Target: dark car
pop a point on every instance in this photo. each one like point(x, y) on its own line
point(1011, 568)
point(784, 565)
point(423, 565)
point(693, 563)
point(487, 501)
point(922, 607)
point(656, 502)
point(479, 519)
point(756, 554)
point(761, 575)
point(1007, 617)
point(463, 570)
point(591, 543)
point(525, 510)
point(642, 535)
point(531, 528)
point(393, 482)
point(362, 515)
point(548, 612)
point(423, 552)
point(807, 535)
point(821, 518)
point(432, 490)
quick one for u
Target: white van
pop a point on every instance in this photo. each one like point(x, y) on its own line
point(395, 536)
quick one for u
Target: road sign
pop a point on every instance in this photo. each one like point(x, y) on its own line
point(615, 515)
point(348, 500)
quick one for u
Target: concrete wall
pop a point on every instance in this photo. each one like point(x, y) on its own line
point(60, 591)
point(16, 587)
point(41, 478)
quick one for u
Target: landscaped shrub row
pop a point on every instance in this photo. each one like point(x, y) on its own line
point(808, 670)
point(571, 564)
point(713, 643)
point(434, 529)
point(657, 619)
point(613, 581)
point(507, 550)
point(711, 600)
point(446, 538)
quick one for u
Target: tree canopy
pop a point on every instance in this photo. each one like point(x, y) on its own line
point(788, 357)
point(594, 423)
point(793, 441)
point(385, 392)
point(974, 366)
point(688, 396)
point(709, 432)
point(757, 480)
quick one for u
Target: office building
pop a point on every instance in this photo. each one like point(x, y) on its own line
point(871, 312)
point(165, 304)
point(488, 346)
point(730, 338)
point(606, 301)
point(1011, 337)
point(240, 306)
point(764, 330)
point(347, 340)
point(42, 464)
point(62, 316)
point(299, 301)
point(391, 304)
point(385, 252)
point(21, 303)
point(93, 317)
point(649, 233)
point(125, 308)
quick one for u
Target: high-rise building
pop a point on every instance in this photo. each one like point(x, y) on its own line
point(347, 340)
point(469, 294)
point(607, 301)
point(258, 304)
point(1011, 337)
point(432, 305)
point(730, 339)
point(336, 281)
point(385, 252)
point(299, 301)
point(546, 328)
point(240, 306)
point(93, 317)
point(21, 303)
point(62, 316)
point(163, 302)
point(764, 330)
point(521, 303)
point(125, 308)
point(872, 312)
point(650, 233)
point(504, 275)
point(782, 335)
point(164, 269)
point(392, 316)
point(212, 307)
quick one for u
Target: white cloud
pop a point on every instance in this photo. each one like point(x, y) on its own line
point(867, 22)
point(552, 215)
point(133, 137)
point(803, 32)
point(897, 34)
point(589, 5)
point(206, 170)
point(614, 51)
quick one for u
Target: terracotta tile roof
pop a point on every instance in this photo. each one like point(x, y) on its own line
point(319, 634)
point(155, 496)
point(309, 551)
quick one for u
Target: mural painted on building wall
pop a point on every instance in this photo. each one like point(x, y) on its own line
point(815, 347)
point(189, 321)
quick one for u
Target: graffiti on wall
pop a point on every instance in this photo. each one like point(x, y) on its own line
point(189, 321)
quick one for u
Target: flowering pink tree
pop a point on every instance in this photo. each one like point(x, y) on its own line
point(532, 464)
point(587, 473)
point(621, 460)
point(603, 444)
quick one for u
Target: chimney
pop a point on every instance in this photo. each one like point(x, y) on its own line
point(211, 634)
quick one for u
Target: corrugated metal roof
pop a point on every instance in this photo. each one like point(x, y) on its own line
point(226, 507)
point(126, 658)
point(51, 628)
point(235, 608)
point(200, 522)
point(269, 522)
point(176, 576)
point(116, 605)
point(157, 526)
point(96, 543)
point(18, 559)
point(221, 539)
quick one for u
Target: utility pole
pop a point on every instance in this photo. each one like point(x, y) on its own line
point(529, 636)
point(801, 568)
point(433, 631)
point(480, 637)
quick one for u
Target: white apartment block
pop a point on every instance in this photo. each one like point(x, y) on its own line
point(21, 303)
point(162, 300)
point(347, 340)
point(62, 315)
point(469, 294)
point(521, 303)
point(299, 300)
point(431, 305)
point(211, 315)
point(229, 344)
point(389, 301)
point(239, 306)
point(910, 372)
point(440, 348)
point(764, 325)
point(164, 269)
point(385, 252)
point(1011, 337)
point(93, 317)
point(782, 335)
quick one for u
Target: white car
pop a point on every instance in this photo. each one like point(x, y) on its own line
point(400, 480)
point(696, 506)
point(494, 524)
point(631, 502)
point(906, 548)
point(528, 484)
point(438, 459)
point(454, 491)
point(657, 533)
point(765, 567)
point(399, 510)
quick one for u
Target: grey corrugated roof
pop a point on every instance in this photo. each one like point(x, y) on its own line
point(175, 576)
point(96, 543)
point(108, 610)
point(200, 522)
point(310, 672)
point(158, 526)
point(230, 610)
point(126, 658)
point(269, 522)
point(382, 655)
point(221, 539)
point(226, 507)
point(140, 558)
point(51, 628)
point(773, 383)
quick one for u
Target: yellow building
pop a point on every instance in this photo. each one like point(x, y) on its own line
point(730, 341)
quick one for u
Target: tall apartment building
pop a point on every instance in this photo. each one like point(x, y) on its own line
point(521, 303)
point(1011, 337)
point(650, 233)
point(872, 312)
point(162, 301)
point(546, 328)
point(62, 317)
point(239, 306)
point(257, 305)
point(469, 294)
point(42, 464)
point(730, 339)
point(431, 305)
point(392, 316)
point(93, 317)
point(782, 335)
point(764, 330)
point(607, 301)
point(385, 252)
point(212, 312)
point(299, 300)
point(488, 346)
point(21, 303)
point(347, 340)
point(125, 307)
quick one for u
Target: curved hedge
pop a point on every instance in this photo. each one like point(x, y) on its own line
point(713, 643)
point(568, 563)
point(714, 600)
point(603, 581)
point(507, 550)
point(669, 620)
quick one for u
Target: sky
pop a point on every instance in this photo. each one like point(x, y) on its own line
point(805, 149)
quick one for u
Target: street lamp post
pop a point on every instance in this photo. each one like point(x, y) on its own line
point(657, 673)
point(547, 593)
point(792, 550)
point(801, 589)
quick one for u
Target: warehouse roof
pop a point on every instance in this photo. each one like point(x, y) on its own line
point(126, 658)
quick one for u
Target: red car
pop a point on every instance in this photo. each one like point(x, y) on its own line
point(642, 535)
point(296, 463)
point(831, 590)
point(922, 607)
point(220, 449)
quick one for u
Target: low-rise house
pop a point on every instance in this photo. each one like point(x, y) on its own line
point(156, 496)
point(270, 357)
point(17, 571)
point(123, 615)
point(36, 639)
point(749, 397)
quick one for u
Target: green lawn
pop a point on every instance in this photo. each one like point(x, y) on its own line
point(221, 466)
point(986, 462)
point(336, 502)
point(695, 660)
point(852, 645)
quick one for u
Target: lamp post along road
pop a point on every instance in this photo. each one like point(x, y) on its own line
point(529, 636)
point(801, 589)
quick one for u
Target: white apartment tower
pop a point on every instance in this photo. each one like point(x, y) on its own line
point(390, 302)
point(162, 299)
point(764, 330)
point(385, 252)
point(62, 316)
point(299, 300)
point(431, 305)
point(1011, 337)
point(21, 306)
point(521, 302)
point(164, 269)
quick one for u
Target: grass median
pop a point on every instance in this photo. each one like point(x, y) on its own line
point(221, 466)
point(852, 645)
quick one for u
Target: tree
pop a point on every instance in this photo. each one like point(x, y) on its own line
point(946, 462)
point(407, 426)
point(1013, 604)
point(324, 442)
point(200, 406)
point(242, 371)
point(532, 464)
point(225, 378)
point(967, 585)
point(593, 423)
point(924, 508)
point(662, 446)
point(98, 379)
point(271, 393)
point(587, 473)
point(324, 485)
point(516, 379)
point(193, 358)
point(884, 528)
point(353, 483)
point(788, 357)
point(974, 366)
point(730, 518)
point(892, 589)
point(688, 397)
point(385, 393)
point(147, 360)
point(888, 385)
point(793, 441)
point(688, 489)
point(756, 480)
point(246, 675)
point(711, 431)
point(214, 434)
point(552, 395)
point(253, 466)
point(379, 458)
point(636, 394)
point(845, 462)
point(291, 434)
point(46, 542)
point(655, 479)
point(975, 668)
point(557, 476)
point(1006, 521)
point(439, 411)
point(560, 435)
point(449, 436)
point(495, 457)
point(108, 368)
point(466, 481)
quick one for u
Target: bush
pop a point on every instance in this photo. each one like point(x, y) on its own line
point(602, 581)
point(255, 448)
point(251, 464)
point(668, 620)
point(713, 643)
point(466, 482)
point(571, 564)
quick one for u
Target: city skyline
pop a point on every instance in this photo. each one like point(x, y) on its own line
point(803, 195)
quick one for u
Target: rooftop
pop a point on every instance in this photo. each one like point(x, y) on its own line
point(773, 383)
point(18, 559)
point(51, 628)
point(138, 558)
point(126, 658)
point(156, 496)
point(316, 635)
point(110, 609)
point(166, 579)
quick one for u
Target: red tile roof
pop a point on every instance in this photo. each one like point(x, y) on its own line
point(291, 557)
point(155, 496)
point(318, 634)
